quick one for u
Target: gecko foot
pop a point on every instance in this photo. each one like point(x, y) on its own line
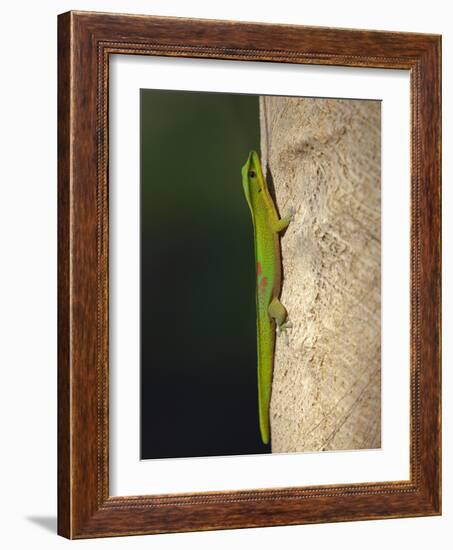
point(291, 213)
point(282, 330)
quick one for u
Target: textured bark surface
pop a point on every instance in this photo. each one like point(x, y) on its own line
point(323, 158)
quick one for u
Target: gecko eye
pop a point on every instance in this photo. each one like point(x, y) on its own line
point(252, 174)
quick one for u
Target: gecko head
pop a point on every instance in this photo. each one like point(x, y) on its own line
point(252, 178)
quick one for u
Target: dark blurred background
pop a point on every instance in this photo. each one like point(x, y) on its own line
point(198, 320)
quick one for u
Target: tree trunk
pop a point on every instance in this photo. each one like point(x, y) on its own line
point(322, 157)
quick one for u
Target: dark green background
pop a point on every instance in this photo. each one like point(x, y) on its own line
point(198, 320)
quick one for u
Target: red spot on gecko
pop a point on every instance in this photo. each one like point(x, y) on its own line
point(263, 284)
point(258, 268)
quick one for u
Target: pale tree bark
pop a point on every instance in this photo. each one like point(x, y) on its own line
point(323, 158)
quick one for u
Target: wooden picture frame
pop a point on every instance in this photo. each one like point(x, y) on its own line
point(85, 42)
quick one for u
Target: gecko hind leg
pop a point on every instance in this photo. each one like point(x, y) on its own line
point(278, 313)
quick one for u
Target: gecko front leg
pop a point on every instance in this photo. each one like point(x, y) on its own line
point(281, 224)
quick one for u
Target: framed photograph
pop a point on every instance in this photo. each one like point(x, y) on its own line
point(249, 274)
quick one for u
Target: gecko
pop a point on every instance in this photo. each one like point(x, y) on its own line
point(271, 315)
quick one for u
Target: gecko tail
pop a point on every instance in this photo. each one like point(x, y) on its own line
point(265, 360)
point(264, 424)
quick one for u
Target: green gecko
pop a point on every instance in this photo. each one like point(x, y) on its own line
point(270, 312)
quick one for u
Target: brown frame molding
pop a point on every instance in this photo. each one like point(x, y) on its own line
point(85, 42)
